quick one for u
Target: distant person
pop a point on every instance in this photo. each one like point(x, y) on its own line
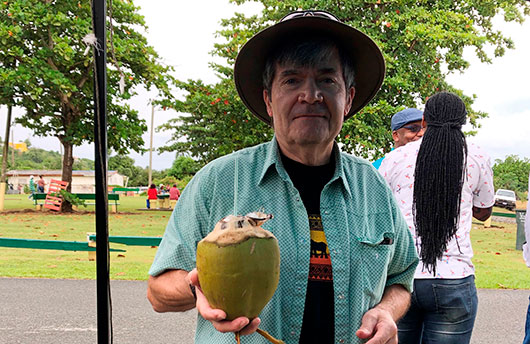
point(174, 193)
point(162, 189)
point(152, 195)
point(40, 184)
point(32, 186)
point(526, 255)
point(440, 183)
point(406, 127)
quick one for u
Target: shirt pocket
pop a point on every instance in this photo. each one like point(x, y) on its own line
point(375, 252)
point(375, 242)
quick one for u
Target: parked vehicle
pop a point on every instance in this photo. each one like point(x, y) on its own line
point(505, 199)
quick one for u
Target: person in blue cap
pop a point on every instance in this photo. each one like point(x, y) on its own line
point(406, 127)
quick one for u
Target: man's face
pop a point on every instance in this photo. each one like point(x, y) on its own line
point(411, 131)
point(308, 104)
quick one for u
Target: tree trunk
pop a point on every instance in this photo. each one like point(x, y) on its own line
point(68, 162)
point(3, 177)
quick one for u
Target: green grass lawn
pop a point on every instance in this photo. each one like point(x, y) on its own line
point(29, 224)
point(498, 264)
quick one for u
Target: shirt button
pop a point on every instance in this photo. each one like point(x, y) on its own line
point(341, 340)
point(297, 199)
point(341, 296)
point(326, 212)
point(292, 333)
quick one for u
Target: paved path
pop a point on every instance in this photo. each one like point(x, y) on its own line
point(47, 311)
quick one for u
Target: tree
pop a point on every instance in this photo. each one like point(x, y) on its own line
point(512, 174)
point(53, 75)
point(137, 176)
point(422, 43)
point(123, 164)
point(183, 166)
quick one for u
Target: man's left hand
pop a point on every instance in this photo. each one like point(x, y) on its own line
point(378, 326)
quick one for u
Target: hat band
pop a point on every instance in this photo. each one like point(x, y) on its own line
point(298, 14)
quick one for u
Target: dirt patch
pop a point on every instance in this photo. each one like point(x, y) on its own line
point(503, 219)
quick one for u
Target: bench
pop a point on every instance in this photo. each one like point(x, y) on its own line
point(82, 196)
point(129, 240)
point(128, 191)
point(50, 244)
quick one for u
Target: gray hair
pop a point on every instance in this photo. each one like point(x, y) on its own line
point(304, 53)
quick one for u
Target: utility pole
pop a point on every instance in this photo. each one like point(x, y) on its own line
point(13, 143)
point(5, 152)
point(151, 147)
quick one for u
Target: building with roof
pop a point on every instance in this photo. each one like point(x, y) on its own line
point(82, 181)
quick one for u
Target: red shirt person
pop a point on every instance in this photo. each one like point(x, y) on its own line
point(174, 193)
point(152, 194)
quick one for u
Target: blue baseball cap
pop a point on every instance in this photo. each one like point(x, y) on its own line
point(405, 116)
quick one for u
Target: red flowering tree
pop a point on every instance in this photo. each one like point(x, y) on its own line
point(422, 43)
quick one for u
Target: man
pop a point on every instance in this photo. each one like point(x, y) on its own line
point(347, 258)
point(440, 183)
point(406, 127)
point(526, 256)
point(40, 184)
point(32, 186)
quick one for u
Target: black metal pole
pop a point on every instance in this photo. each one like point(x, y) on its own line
point(104, 312)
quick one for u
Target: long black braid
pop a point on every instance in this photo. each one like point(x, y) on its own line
point(439, 176)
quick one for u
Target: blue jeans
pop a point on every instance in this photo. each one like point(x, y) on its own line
point(442, 311)
point(527, 327)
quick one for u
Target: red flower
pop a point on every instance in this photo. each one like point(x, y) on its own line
point(397, 11)
point(388, 25)
point(226, 102)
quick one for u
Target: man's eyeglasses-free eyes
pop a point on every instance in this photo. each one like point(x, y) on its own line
point(297, 14)
point(415, 128)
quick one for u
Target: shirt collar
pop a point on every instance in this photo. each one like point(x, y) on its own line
point(272, 158)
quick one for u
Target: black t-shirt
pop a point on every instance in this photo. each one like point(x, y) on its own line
point(318, 323)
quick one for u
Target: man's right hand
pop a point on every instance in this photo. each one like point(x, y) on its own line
point(217, 316)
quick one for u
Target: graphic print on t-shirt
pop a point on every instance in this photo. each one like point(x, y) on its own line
point(320, 261)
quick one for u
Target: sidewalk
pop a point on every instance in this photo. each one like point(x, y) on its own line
point(64, 311)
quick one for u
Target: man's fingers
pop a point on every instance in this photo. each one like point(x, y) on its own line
point(217, 316)
point(379, 327)
point(252, 327)
point(193, 277)
point(205, 310)
point(235, 325)
point(367, 327)
point(381, 338)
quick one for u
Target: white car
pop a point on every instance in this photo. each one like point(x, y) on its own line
point(505, 199)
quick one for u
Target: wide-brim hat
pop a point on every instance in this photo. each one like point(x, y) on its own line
point(368, 61)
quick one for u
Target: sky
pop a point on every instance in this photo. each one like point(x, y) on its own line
point(182, 32)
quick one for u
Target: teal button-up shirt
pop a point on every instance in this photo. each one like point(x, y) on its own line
point(369, 242)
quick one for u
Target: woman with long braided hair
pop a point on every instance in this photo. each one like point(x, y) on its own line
point(441, 181)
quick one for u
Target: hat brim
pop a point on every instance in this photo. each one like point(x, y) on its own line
point(368, 61)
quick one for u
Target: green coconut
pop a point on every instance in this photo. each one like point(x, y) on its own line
point(238, 264)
